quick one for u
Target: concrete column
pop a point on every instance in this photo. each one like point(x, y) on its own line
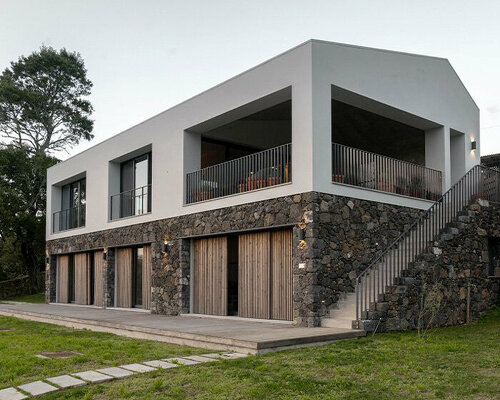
point(437, 152)
point(322, 135)
point(191, 156)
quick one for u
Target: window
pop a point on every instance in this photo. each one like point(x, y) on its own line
point(73, 206)
point(135, 188)
point(137, 277)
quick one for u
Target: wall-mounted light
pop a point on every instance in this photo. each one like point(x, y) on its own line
point(301, 235)
point(166, 246)
point(473, 145)
point(105, 255)
point(47, 260)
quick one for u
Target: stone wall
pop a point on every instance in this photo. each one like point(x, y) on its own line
point(447, 283)
point(342, 235)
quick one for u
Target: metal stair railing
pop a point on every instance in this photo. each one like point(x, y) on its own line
point(478, 182)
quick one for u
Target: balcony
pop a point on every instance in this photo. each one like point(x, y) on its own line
point(351, 166)
point(131, 203)
point(68, 219)
point(260, 170)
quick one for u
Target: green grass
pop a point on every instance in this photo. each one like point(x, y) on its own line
point(37, 298)
point(19, 346)
point(451, 363)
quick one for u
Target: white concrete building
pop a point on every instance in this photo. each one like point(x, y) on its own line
point(358, 123)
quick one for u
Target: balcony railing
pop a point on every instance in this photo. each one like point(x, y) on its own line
point(68, 219)
point(132, 202)
point(256, 171)
point(361, 168)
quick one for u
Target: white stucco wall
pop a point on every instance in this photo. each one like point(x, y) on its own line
point(422, 86)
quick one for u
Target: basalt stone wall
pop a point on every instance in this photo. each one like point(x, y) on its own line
point(449, 281)
point(351, 233)
point(341, 236)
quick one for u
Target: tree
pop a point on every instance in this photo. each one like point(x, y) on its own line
point(43, 109)
point(42, 101)
point(22, 212)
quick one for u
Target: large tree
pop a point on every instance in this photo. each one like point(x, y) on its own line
point(22, 212)
point(42, 101)
point(43, 109)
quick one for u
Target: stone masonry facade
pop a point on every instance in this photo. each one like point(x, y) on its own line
point(449, 284)
point(342, 236)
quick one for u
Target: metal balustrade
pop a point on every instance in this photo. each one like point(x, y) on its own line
point(68, 219)
point(132, 202)
point(256, 171)
point(351, 166)
point(479, 183)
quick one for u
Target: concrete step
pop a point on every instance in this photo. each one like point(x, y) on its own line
point(336, 323)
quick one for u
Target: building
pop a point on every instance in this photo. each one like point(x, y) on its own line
point(268, 195)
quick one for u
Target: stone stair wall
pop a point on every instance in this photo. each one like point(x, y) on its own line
point(435, 288)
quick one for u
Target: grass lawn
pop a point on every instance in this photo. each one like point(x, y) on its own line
point(450, 363)
point(37, 298)
point(19, 346)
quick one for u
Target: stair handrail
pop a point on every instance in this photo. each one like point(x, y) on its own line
point(466, 184)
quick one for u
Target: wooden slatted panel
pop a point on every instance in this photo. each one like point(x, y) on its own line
point(210, 276)
point(281, 275)
point(82, 278)
point(99, 279)
point(146, 277)
point(63, 279)
point(254, 271)
point(124, 278)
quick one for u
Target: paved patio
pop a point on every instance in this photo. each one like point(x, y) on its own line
point(211, 333)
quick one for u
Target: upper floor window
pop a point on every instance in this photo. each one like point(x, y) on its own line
point(73, 207)
point(135, 188)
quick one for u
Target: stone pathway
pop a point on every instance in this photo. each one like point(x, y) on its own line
point(62, 382)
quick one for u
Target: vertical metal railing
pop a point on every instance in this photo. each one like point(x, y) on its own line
point(132, 202)
point(357, 167)
point(69, 218)
point(256, 171)
point(478, 183)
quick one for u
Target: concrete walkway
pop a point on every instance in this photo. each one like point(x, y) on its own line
point(240, 335)
point(61, 382)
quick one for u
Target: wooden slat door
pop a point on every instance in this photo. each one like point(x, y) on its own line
point(281, 275)
point(99, 279)
point(210, 276)
point(146, 277)
point(63, 279)
point(124, 278)
point(254, 274)
point(82, 278)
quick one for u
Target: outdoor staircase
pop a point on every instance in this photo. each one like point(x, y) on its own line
point(445, 219)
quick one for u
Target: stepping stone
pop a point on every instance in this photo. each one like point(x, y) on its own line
point(201, 359)
point(37, 387)
point(11, 394)
point(160, 364)
point(93, 376)
point(235, 355)
point(138, 368)
point(182, 361)
point(116, 372)
point(66, 381)
point(216, 356)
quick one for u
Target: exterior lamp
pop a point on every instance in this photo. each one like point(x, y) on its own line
point(301, 235)
point(105, 255)
point(473, 145)
point(47, 260)
point(166, 246)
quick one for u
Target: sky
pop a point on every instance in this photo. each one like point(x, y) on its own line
point(145, 56)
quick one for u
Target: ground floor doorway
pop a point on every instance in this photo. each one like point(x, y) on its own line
point(246, 274)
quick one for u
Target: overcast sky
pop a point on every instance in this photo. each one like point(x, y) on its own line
point(145, 56)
